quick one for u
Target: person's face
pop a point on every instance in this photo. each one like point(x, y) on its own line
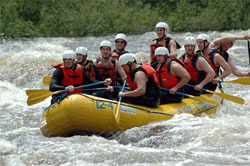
point(68, 63)
point(160, 32)
point(225, 46)
point(105, 52)
point(200, 44)
point(80, 57)
point(120, 44)
point(189, 49)
point(160, 59)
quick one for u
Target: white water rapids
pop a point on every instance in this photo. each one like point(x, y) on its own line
point(220, 139)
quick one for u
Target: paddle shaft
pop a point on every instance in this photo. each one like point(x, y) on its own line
point(199, 98)
point(83, 86)
point(178, 93)
point(229, 97)
point(117, 112)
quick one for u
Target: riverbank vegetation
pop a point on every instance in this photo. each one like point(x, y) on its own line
point(76, 18)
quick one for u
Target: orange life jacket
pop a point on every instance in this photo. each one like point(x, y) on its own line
point(166, 80)
point(107, 72)
point(72, 77)
point(115, 55)
point(160, 43)
point(190, 65)
point(89, 69)
point(150, 72)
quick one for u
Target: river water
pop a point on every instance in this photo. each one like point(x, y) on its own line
point(220, 139)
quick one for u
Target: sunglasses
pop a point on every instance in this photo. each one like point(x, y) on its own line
point(118, 41)
point(68, 59)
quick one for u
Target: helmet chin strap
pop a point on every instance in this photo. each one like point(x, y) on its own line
point(205, 47)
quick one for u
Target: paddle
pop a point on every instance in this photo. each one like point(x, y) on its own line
point(116, 112)
point(37, 95)
point(199, 98)
point(95, 89)
point(46, 80)
point(232, 98)
point(243, 81)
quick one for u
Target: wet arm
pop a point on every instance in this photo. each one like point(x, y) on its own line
point(236, 71)
point(172, 51)
point(181, 72)
point(220, 61)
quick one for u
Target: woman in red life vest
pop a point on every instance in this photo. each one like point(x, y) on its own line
point(171, 75)
point(142, 81)
point(90, 69)
point(215, 60)
point(222, 45)
point(197, 66)
point(162, 41)
point(69, 75)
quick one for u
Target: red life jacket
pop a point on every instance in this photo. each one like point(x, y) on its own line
point(72, 77)
point(160, 43)
point(89, 70)
point(107, 72)
point(116, 55)
point(150, 72)
point(166, 80)
point(131, 83)
point(190, 65)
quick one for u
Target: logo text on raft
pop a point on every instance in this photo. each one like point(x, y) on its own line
point(198, 105)
point(123, 108)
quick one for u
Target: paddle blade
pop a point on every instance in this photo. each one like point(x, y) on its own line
point(38, 97)
point(243, 81)
point(235, 99)
point(46, 80)
point(117, 113)
point(30, 92)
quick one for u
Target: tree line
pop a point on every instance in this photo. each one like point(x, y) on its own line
point(75, 18)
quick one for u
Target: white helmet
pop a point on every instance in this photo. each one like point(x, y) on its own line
point(125, 58)
point(121, 36)
point(161, 51)
point(190, 40)
point(81, 50)
point(203, 37)
point(162, 25)
point(69, 54)
point(105, 43)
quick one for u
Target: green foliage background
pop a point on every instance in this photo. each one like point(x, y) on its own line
point(75, 18)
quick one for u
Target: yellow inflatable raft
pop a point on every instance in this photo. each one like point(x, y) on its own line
point(86, 114)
